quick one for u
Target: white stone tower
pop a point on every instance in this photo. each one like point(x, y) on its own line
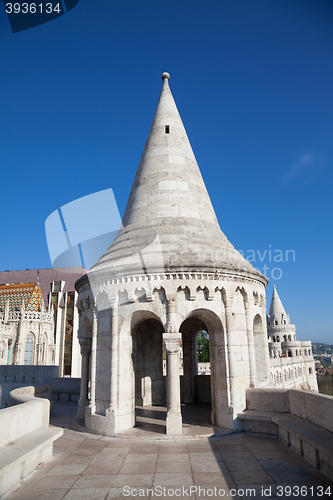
point(291, 361)
point(169, 274)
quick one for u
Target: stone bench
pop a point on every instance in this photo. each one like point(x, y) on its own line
point(26, 440)
point(309, 440)
point(21, 457)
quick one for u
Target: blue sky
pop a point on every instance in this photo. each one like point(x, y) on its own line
point(253, 81)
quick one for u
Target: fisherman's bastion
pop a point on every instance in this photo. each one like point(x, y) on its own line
point(169, 274)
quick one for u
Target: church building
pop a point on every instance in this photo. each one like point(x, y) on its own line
point(169, 274)
point(26, 334)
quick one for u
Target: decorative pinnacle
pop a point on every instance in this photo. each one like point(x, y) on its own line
point(165, 76)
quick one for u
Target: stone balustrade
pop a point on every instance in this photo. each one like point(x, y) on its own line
point(25, 426)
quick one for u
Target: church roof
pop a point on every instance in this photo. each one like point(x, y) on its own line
point(169, 223)
point(69, 275)
point(28, 294)
point(276, 308)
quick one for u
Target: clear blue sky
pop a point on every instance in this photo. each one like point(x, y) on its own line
point(253, 81)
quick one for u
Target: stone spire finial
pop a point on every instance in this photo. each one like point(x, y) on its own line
point(165, 75)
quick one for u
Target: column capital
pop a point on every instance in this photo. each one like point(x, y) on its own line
point(172, 341)
point(171, 301)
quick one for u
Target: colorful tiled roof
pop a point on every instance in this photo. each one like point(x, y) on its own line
point(30, 293)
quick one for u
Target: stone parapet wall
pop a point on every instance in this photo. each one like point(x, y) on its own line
point(24, 418)
point(315, 408)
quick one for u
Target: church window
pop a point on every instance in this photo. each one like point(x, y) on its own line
point(276, 322)
point(310, 370)
point(167, 129)
point(57, 286)
point(67, 368)
point(29, 349)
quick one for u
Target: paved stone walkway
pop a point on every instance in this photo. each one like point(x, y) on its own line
point(87, 466)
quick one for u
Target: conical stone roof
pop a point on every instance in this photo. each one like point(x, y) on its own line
point(169, 223)
point(276, 308)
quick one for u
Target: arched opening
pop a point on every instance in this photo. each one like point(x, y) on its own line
point(190, 329)
point(148, 363)
point(209, 390)
point(29, 349)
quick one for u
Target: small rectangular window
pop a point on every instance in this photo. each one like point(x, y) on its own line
point(167, 129)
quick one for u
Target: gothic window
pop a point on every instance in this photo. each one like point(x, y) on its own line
point(44, 350)
point(29, 349)
point(310, 371)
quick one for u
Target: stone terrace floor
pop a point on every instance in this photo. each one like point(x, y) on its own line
point(88, 466)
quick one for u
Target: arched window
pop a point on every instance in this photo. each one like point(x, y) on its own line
point(29, 349)
point(289, 353)
point(2, 352)
point(310, 371)
point(278, 339)
point(44, 350)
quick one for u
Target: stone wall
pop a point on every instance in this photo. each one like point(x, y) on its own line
point(313, 407)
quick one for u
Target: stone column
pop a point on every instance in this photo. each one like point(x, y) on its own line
point(113, 407)
point(83, 401)
point(250, 340)
point(172, 344)
point(232, 361)
point(91, 409)
point(174, 416)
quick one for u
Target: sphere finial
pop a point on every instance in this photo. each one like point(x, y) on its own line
point(165, 75)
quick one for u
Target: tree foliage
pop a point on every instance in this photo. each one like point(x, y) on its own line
point(203, 347)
